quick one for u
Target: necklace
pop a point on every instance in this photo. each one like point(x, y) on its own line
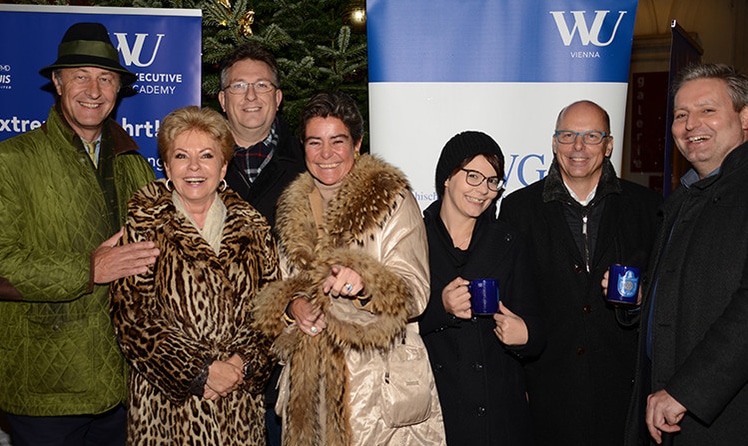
point(464, 243)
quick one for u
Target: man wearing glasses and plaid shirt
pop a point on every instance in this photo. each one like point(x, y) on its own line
point(267, 156)
point(581, 219)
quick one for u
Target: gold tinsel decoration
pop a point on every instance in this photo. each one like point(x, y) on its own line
point(226, 4)
point(245, 23)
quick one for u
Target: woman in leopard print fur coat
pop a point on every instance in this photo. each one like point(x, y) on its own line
point(198, 369)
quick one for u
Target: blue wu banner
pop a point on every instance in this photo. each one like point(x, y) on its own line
point(161, 46)
point(499, 41)
point(505, 67)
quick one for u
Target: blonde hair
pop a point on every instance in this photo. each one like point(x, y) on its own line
point(205, 120)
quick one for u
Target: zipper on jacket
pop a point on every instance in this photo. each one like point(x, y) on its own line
point(585, 239)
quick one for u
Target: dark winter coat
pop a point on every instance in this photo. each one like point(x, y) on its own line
point(285, 165)
point(480, 381)
point(700, 327)
point(580, 386)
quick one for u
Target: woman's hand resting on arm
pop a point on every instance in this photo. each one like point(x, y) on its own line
point(309, 317)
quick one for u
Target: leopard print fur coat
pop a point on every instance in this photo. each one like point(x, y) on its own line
point(192, 306)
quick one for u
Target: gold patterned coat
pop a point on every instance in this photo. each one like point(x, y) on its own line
point(191, 307)
point(374, 226)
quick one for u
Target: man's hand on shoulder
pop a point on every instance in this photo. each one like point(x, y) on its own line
point(111, 262)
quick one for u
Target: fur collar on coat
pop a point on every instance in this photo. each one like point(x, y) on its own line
point(318, 372)
point(554, 189)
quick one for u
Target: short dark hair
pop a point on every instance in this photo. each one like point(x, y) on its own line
point(334, 104)
point(493, 159)
point(737, 82)
point(252, 51)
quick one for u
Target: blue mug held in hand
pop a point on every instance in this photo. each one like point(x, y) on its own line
point(623, 284)
point(484, 296)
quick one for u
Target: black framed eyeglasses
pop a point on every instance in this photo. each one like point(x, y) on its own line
point(260, 87)
point(591, 137)
point(475, 178)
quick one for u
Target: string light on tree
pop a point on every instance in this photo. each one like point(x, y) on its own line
point(355, 16)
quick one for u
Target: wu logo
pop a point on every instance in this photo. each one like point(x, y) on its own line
point(586, 34)
point(133, 56)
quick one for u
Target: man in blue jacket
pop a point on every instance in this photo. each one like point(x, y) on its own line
point(63, 191)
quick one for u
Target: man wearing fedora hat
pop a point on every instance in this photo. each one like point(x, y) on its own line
point(63, 191)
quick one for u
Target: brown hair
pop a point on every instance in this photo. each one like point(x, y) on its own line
point(251, 51)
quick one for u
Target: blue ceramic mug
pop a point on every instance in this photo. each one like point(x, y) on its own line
point(623, 284)
point(484, 296)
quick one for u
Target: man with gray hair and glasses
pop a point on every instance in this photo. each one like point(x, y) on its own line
point(581, 218)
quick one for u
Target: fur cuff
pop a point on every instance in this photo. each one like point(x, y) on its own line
point(271, 303)
point(388, 295)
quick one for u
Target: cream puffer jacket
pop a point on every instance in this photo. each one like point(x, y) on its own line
point(374, 226)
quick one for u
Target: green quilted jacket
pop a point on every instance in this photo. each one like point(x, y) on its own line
point(58, 354)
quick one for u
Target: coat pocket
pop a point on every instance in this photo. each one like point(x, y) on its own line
point(61, 354)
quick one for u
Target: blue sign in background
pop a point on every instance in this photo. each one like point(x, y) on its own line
point(162, 47)
point(508, 41)
point(503, 67)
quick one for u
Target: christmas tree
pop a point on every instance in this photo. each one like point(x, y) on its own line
point(319, 45)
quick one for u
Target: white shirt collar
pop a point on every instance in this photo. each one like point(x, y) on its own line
point(587, 200)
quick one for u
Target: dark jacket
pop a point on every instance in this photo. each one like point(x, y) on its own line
point(700, 326)
point(285, 165)
point(58, 355)
point(480, 381)
point(580, 386)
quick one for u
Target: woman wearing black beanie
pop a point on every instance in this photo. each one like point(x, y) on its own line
point(477, 359)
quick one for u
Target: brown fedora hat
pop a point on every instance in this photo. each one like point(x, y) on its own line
point(88, 45)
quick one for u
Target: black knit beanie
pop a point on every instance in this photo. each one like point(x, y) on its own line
point(460, 147)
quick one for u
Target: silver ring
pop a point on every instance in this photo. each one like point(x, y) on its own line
point(314, 329)
point(348, 287)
